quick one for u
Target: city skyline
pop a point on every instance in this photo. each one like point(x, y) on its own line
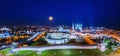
point(59, 28)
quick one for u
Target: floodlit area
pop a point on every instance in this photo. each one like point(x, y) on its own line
point(72, 52)
point(60, 40)
point(59, 27)
point(57, 38)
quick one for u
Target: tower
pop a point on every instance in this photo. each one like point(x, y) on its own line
point(73, 26)
point(80, 27)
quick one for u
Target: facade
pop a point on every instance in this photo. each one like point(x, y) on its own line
point(4, 29)
point(61, 29)
point(4, 32)
point(57, 38)
point(77, 26)
point(3, 35)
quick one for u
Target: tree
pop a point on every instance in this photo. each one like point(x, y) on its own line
point(42, 41)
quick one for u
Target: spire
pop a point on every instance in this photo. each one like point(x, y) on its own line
point(73, 25)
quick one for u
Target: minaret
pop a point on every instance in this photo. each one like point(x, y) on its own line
point(80, 26)
point(73, 27)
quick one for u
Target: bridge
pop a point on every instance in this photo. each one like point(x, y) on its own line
point(32, 37)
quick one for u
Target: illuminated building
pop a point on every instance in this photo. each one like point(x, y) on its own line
point(57, 38)
point(77, 26)
point(4, 29)
point(73, 27)
point(4, 32)
point(60, 29)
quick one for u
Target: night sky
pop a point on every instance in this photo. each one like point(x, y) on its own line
point(64, 12)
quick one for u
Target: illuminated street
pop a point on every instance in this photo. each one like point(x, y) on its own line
point(63, 38)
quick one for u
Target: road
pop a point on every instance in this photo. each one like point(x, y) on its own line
point(4, 47)
point(43, 48)
point(32, 37)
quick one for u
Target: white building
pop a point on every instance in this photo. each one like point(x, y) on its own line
point(57, 38)
point(77, 26)
point(4, 29)
point(5, 33)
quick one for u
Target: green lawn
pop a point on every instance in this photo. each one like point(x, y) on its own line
point(5, 51)
point(60, 52)
point(107, 41)
point(25, 53)
point(71, 52)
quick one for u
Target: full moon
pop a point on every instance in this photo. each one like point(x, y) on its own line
point(50, 18)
